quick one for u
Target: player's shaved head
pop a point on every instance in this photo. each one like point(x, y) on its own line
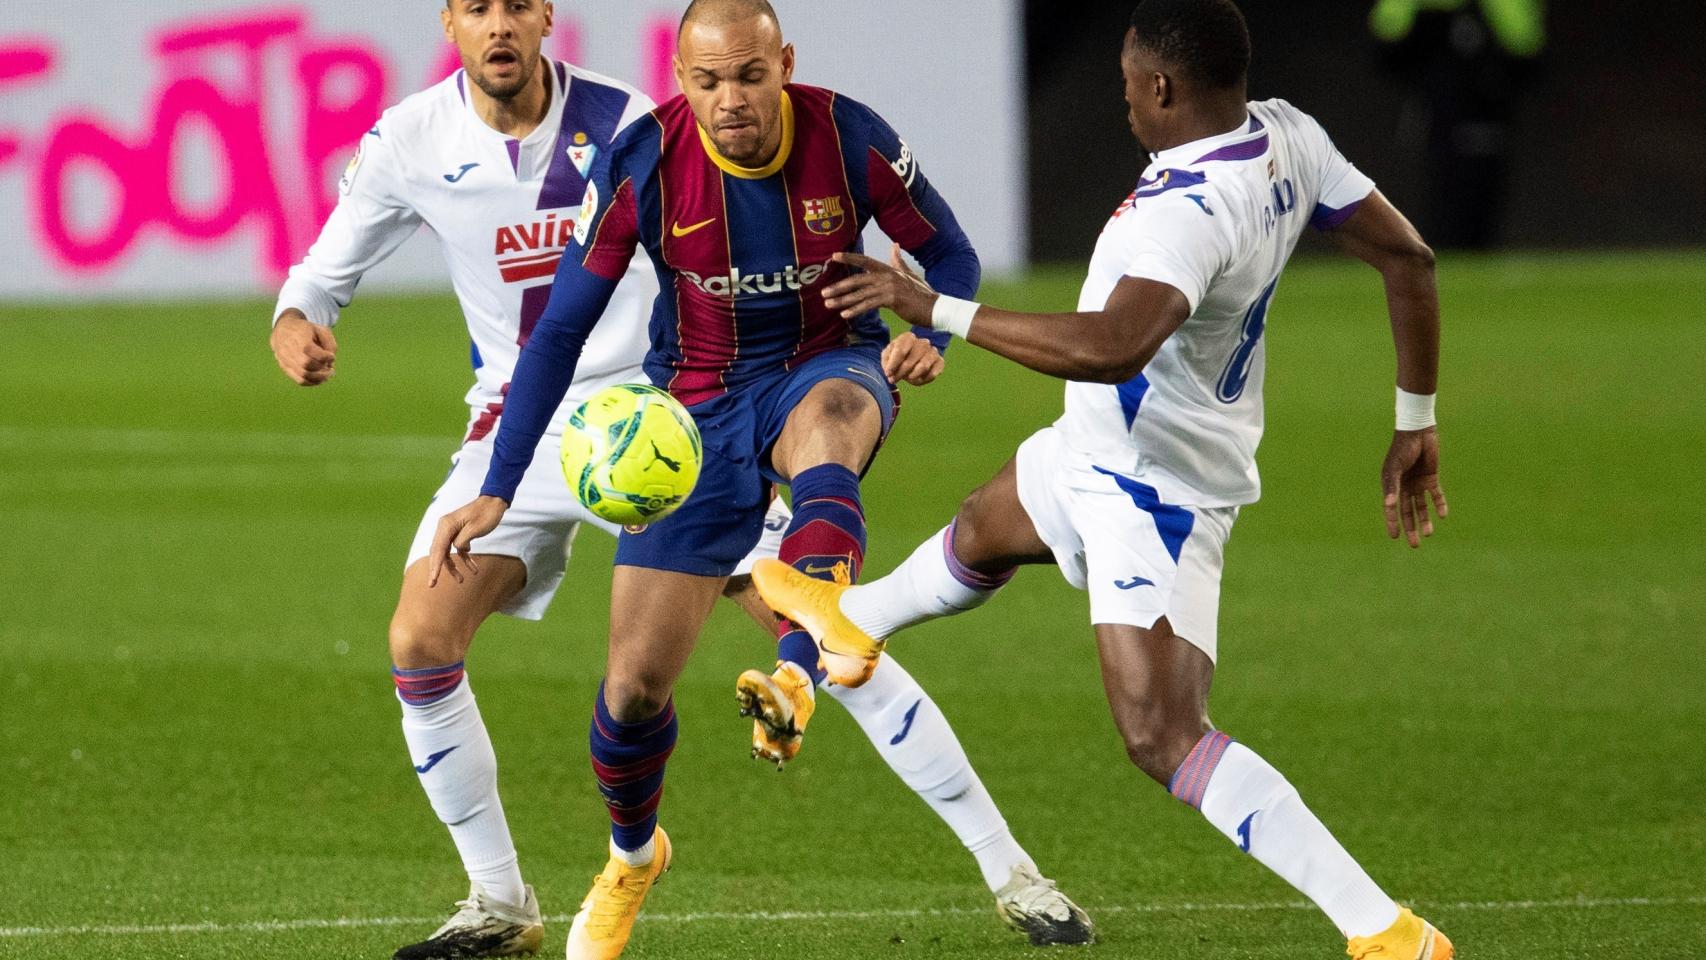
point(1204, 41)
point(718, 13)
point(732, 65)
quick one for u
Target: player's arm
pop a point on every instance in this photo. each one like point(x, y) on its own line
point(605, 236)
point(1111, 345)
point(370, 222)
point(911, 211)
point(1379, 235)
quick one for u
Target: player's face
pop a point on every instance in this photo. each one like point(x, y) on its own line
point(1143, 100)
point(499, 41)
point(733, 77)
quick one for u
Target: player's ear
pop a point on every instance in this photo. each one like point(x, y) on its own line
point(550, 16)
point(787, 64)
point(444, 18)
point(1163, 87)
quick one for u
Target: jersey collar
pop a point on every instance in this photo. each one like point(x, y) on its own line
point(755, 173)
point(1247, 141)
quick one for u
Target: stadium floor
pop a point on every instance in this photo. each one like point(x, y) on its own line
point(199, 755)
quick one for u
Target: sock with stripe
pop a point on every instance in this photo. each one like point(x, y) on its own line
point(828, 529)
point(452, 753)
point(628, 760)
point(932, 583)
point(1246, 799)
point(914, 739)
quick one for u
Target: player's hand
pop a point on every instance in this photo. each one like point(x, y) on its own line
point(912, 358)
point(452, 542)
point(880, 285)
point(305, 351)
point(1409, 478)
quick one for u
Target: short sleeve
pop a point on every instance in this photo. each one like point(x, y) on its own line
point(1175, 238)
point(1343, 187)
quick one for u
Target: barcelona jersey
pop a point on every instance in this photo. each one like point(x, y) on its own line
point(742, 255)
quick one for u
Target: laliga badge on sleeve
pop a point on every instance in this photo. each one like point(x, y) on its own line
point(589, 210)
point(581, 153)
point(346, 183)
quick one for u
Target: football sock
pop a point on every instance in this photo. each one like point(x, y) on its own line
point(629, 759)
point(914, 739)
point(1258, 809)
point(828, 529)
point(931, 583)
point(459, 772)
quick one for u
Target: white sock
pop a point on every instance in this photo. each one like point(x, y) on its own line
point(449, 739)
point(636, 858)
point(930, 584)
point(908, 729)
point(1258, 809)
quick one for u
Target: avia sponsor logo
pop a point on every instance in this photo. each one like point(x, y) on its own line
point(528, 251)
point(734, 285)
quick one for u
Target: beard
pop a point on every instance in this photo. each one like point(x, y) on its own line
point(506, 89)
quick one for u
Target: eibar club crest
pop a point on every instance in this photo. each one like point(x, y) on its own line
point(581, 153)
point(824, 217)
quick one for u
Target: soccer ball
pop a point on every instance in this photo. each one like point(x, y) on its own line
point(631, 454)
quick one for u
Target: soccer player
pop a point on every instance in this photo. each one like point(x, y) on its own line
point(494, 159)
point(740, 194)
point(1134, 490)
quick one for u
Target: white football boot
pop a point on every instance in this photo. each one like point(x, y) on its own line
point(1031, 903)
point(483, 927)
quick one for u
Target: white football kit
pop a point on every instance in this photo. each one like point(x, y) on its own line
point(503, 210)
point(1136, 487)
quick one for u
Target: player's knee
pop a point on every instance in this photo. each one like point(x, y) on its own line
point(634, 697)
point(1158, 735)
point(837, 402)
point(417, 643)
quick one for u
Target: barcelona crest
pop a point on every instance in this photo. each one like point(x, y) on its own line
point(824, 217)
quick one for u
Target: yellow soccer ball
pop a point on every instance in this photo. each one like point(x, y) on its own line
point(631, 454)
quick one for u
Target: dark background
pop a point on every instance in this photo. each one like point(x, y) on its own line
point(1609, 145)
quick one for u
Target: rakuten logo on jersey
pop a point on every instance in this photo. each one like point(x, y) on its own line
point(736, 285)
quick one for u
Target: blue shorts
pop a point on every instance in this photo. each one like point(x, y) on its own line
point(723, 519)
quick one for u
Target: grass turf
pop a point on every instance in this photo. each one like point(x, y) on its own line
point(198, 727)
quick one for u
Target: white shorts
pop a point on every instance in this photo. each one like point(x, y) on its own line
point(1140, 559)
point(540, 526)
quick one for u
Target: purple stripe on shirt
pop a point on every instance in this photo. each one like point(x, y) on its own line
point(1248, 150)
point(1327, 218)
point(462, 84)
point(514, 154)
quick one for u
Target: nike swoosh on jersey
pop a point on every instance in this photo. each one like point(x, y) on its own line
point(679, 231)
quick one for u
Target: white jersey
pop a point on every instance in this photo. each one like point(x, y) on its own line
point(1217, 219)
point(503, 210)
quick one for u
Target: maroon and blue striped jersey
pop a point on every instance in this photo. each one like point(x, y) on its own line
point(742, 255)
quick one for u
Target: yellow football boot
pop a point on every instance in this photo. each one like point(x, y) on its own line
point(780, 705)
point(849, 655)
point(1409, 938)
point(606, 917)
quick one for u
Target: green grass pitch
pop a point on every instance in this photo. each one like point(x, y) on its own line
point(199, 753)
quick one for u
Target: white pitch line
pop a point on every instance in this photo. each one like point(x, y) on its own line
point(776, 916)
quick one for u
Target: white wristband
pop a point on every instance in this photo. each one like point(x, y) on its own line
point(1415, 410)
point(954, 315)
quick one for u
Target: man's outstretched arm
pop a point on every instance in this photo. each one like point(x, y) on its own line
point(1111, 345)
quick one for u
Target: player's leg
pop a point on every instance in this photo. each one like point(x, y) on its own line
point(451, 751)
point(1166, 573)
point(958, 569)
point(655, 619)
